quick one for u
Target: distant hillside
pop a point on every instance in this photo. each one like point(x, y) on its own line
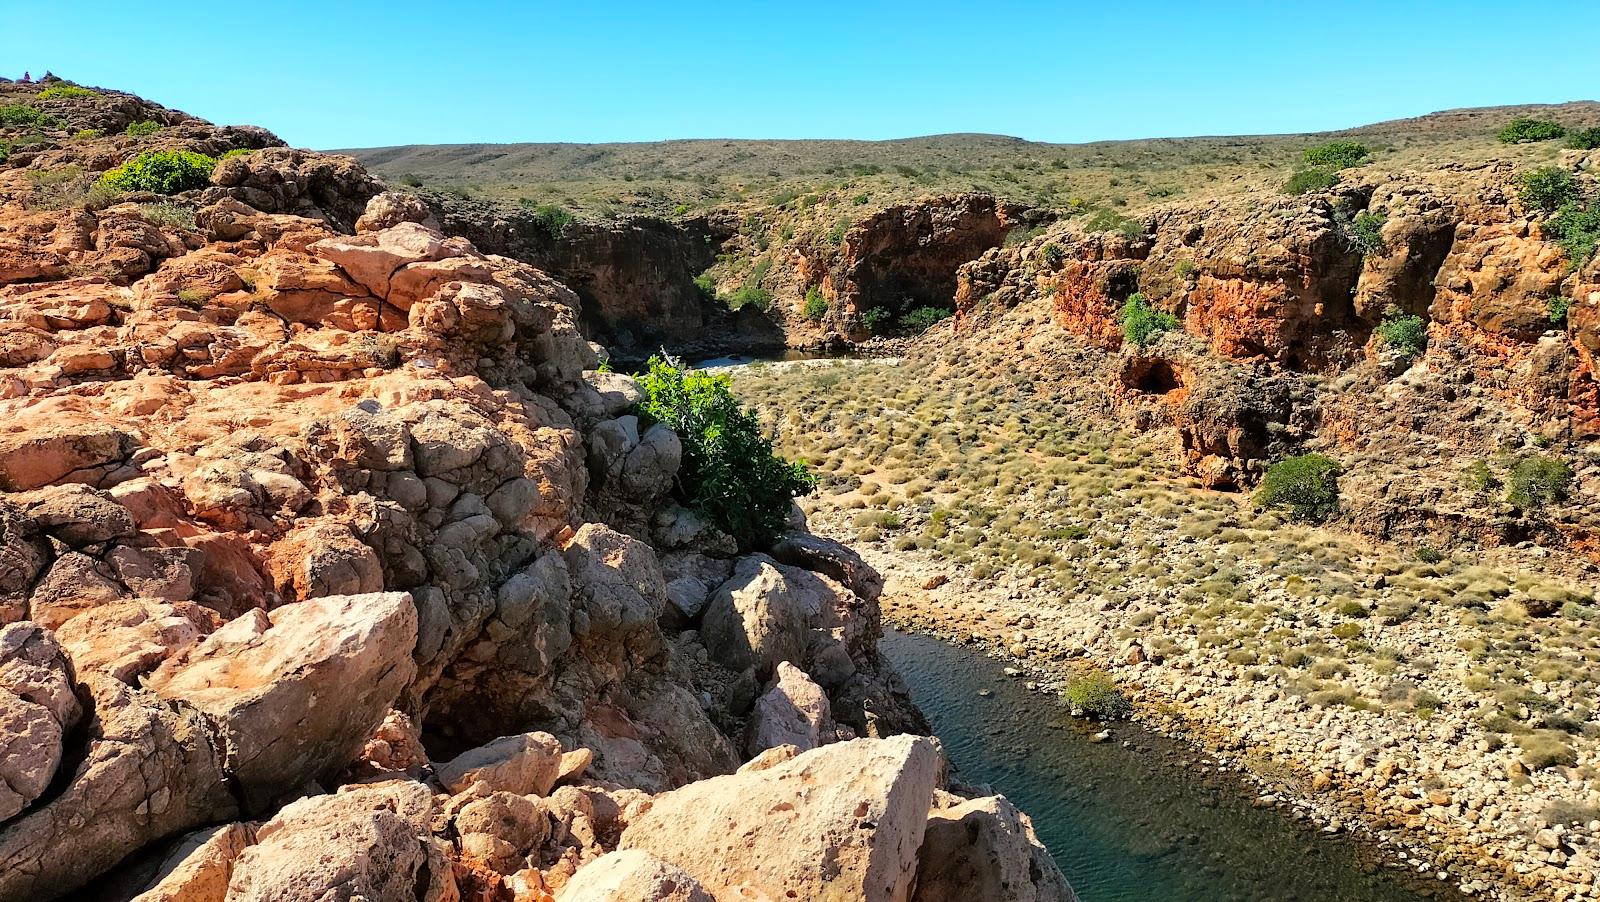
point(692, 175)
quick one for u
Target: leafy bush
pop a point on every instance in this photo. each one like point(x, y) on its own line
point(1557, 308)
point(20, 115)
point(1307, 181)
point(1141, 324)
point(142, 128)
point(1053, 255)
point(1307, 485)
point(5, 150)
point(816, 306)
point(1577, 230)
point(1403, 332)
point(1525, 129)
point(1337, 155)
point(922, 319)
point(61, 92)
point(873, 319)
point(1365, 233)
point(161, 172)
point(753, 295)
point(1112, 221)
point(1584, 139)
point(1096, 695)
point(1537, 482)
point(1547, 189)
point(729, 473)
point(553, 220)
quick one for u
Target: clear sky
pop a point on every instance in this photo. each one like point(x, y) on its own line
point(346, 74)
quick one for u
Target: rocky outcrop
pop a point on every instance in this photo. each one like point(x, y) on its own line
point(303, 495)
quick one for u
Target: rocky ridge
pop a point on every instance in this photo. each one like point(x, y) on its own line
point(337, 568)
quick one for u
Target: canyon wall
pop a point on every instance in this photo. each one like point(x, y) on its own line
point(335, 567)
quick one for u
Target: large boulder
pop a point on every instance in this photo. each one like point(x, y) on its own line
point(794, 711)
point(366, 842)
point(632, 876)
point(755, 618)
point(526, 764)
point(199, 869)
point(840, 822)
point(296, 694)
point(985, 849)
point(37, 708)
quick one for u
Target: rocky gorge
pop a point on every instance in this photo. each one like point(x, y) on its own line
point(338, 566)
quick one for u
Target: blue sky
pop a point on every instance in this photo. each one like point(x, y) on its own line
point(334, 74)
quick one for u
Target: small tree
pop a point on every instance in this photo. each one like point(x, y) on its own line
point(1307, 485)
point(1366, 232)
point(816, 306)
point(1547, 189)
point(922, 319)
point(1584, 139)
point(1337, 155)
point(1526, 129)
point(1142, 324)
point(1538, 482)
point(730, 473)
point(1096, 695)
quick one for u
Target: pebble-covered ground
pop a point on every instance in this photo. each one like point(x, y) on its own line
point(1442, 697)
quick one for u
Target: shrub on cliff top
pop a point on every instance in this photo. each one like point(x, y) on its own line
point(161, 172)
point(1307, 181)
point(730, 474)
point(1577, 230)
point(1365, 233)
point(1337, 154)
point(1538, 482)
point(20, 115)
point(1526, 129)
point(1584, 139)
point(1112, 221)
point(1142, 324)
point(1307, 485)
point(60, 92)
point(142, 128)
point(1547, 189)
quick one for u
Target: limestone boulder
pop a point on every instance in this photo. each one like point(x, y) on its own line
point(78, 515)
point(366, 842)
point(526, 764)
point(755, 619)
point(632, 876)
point(296, 694)
point(37, 707)
point(830, 558)
point(126, 640)
point(985, 849)
point(199, 869)
point(840, 822)
point(794, 711)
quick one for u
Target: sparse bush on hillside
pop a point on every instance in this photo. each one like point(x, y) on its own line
point(1547, 189)
point(1053, 255)
point(1557, 307)
point(873, 319)
point(1142, 324)
point(1403, 331)
point(1112, 221)
point(816, 306)
point(170, 216)
point(730, 474)
point(552, 219)
point(1096, 695)
point(749, 295)
point(1337, 155)
point(161, 172)
point(1307, 485)
point(142, 128)
point(922, 319)
point(1525, 130)
point(1310, 180)
point(1577, 230)
point(1365, 233)
point(1538, 482)
point(1584, 139)
point(63, 91)
point(5, 150)
point(20, 115)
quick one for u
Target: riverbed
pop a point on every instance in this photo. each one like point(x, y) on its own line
point(1136, 817)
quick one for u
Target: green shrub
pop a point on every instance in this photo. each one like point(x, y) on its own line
point(922, 319)
point(20, 115)
point(1307, 181)
point(1525, 129)
point(5, 150)
point(161, 172)
point(730, 474)
point(873, 319)
point(1537, 482)
point(1053, 255)
point(1403, 331)
point(1307, 485)
point(1546, 748)
point(1337, 155)
point(1547, 189)
point(1096, 695)
point(1142, 324)
point(749, 295)
point(553, 220)
point(816, 306)
point(1576, 230)
point(1584, 139)
point(62, 92)
point(142, 128)
point(1366, 232)
point(1112, 221)
point(1479, 478)
point(1557, 307)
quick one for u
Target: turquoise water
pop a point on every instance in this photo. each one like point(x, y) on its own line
point(1128, 825)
